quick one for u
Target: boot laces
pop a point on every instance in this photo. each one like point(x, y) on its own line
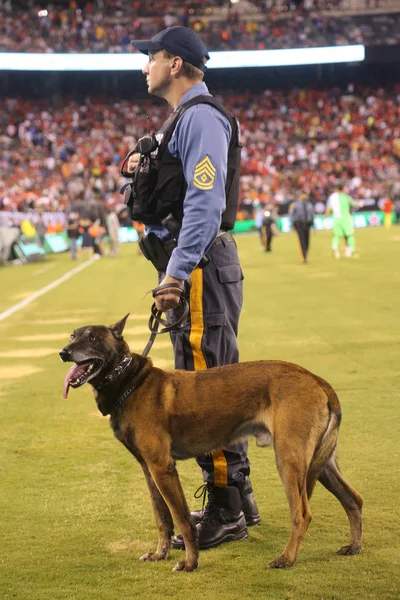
point(201, 492)
point(212, 513)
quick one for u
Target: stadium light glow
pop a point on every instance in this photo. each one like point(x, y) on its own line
point(18, 61)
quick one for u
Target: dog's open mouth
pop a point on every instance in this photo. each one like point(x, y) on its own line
point(81, 373)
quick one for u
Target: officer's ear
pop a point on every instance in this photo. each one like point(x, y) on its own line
point(176, 66)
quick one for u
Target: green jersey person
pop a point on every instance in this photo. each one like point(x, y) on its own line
point(339, 205)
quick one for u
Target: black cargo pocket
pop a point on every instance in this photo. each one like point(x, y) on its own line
point(230, 274)
point(213, 338)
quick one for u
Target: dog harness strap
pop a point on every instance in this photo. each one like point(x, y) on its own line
point(115, 373)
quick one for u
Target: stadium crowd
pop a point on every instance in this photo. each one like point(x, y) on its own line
point(109, 27)
point(56, 156)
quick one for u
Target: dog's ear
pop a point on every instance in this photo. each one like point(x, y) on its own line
point(118, 327)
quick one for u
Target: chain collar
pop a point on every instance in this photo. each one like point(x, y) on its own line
point(119, 402)
point(115, 373)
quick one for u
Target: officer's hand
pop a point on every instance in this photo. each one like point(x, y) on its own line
point(169, 299)
point(133, 162)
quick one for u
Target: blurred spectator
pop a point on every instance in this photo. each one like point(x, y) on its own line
point(58, 157)
point(73, 234)
point(268, 226)
point(41, 228)
point(112, 228)
point(87, 240)
point(97, 232)
point(397, 211)
point(124, 219)
point(388, 208)
point(302, 219)
point(339, 205)
point(109, 26)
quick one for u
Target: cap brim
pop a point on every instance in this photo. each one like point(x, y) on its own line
point(146, 46)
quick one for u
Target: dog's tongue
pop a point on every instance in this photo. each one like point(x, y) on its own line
point(73, 372)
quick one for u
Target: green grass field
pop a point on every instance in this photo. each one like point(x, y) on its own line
point(74, 509)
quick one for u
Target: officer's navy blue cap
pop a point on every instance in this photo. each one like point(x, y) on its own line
point(179, 41)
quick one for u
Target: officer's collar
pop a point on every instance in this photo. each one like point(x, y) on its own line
point(196, 90)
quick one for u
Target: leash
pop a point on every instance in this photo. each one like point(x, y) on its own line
point(155, 317)
point(154, 323)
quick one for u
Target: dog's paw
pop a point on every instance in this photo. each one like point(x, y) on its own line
point(282, 562)
point(154, 556)
point(349, 550)
point(187, 566)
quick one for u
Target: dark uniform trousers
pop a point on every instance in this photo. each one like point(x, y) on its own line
point(303, 231)
point(209, 339)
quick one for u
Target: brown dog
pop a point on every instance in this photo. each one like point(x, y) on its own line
point(165, 416)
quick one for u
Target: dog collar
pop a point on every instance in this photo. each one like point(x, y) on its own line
point(119, 402)
point(115, 373)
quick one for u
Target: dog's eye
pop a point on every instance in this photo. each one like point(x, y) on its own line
point(92, 337)
point(72, 337)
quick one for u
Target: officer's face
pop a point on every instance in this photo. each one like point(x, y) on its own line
point(158, 74)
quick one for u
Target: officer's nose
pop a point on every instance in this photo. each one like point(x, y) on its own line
point(65, 355)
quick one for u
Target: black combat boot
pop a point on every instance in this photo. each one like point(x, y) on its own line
point(223, 519)
point(249, 506)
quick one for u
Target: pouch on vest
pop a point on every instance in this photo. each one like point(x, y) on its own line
point(158, 252)
point(139, 194)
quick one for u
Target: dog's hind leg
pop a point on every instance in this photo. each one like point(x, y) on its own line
point(163, 520)
point(332, 479)
point(293, 472)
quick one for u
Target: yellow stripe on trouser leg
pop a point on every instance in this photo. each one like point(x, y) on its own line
point(196, 319)
point(195, 337)
point(220, 469)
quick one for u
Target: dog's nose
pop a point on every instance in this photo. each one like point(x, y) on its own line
point(65, 355)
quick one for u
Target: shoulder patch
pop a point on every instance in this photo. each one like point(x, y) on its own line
point(204, 174)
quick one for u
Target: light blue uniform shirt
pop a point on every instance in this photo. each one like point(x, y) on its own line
point(201, 132)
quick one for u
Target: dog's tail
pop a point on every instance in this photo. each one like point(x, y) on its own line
point(326, 446)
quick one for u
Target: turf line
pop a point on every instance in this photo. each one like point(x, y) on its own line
point(7, 313)
point(44, 269)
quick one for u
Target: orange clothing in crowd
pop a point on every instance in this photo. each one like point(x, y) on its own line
point(138, 226)
point(96, 230)
point(388, 206)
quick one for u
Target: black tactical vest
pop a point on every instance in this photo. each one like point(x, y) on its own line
point(169, 187)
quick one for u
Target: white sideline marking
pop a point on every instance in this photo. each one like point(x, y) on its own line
point(47, 288)
point(44, 269)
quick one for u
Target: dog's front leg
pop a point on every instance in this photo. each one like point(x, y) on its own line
point(163, 520)
point(166, 478)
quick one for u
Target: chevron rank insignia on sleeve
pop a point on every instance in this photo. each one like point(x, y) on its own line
point(204, 174)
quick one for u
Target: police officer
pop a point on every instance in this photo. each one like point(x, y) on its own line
point(302, 218)
point(197, 186)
